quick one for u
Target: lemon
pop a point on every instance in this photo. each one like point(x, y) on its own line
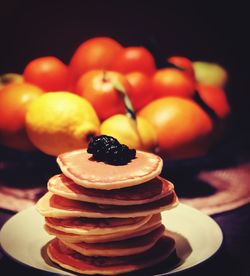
point(57, 122)
point(138, 134)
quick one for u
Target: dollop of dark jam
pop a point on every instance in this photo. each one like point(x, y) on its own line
point(108, 149)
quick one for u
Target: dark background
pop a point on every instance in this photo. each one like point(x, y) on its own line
point(214, 31)
point(201, 30)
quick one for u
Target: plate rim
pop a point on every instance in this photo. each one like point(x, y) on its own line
point(175, 270)
point(220, 239)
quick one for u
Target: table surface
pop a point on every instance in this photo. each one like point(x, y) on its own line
point(232, 258)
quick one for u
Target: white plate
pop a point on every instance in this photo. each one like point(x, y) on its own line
point(197, 238)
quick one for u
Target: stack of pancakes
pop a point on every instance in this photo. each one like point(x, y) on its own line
point(106, 218)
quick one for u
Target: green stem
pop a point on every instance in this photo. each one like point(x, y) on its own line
point(130, 112)
point(128, 105)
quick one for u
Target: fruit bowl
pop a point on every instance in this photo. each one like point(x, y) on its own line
point(128, 92)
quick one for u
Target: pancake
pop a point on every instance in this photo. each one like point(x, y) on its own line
point(106, 218)
point(93, 226)
point(51, 205)
point(118, 248)
point(140, 194)
point(69, 259)
point(80, 167)
point(152, 224)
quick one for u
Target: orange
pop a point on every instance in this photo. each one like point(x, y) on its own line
point(15, 99)
point(183, 128)
point(49, 73)
point(94, 53)
point(132, 59)
point(141, 93)
point(215, 97)
point(172, 82)
point(184, 63)
point(98, 87)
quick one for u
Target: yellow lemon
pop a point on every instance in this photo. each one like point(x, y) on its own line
point(138, 134)
point(57, 122)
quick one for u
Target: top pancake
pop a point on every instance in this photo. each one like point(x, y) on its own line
point(80, 167)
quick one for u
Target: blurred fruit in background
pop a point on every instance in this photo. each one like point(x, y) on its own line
point(94, 53)
point(179, 111)
point(209, 73)
point(10, 78)
point(49, 73)
point(15, 99)
point(98, 87)
point(184, 63)
point(132, 59)
point(183, 128)
point(138, 134)
point(141, 93)
point(215, 98)
point(58, 122)
point(172, 82)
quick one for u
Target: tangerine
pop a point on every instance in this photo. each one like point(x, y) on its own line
point(172, 82)
point(215, 97)
point(49, 73)
point(184, 63)
point(132, 59)
point(15, 99)
point(141, 93)
point(183, 128)
point(94, 53)
point(98, 87)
